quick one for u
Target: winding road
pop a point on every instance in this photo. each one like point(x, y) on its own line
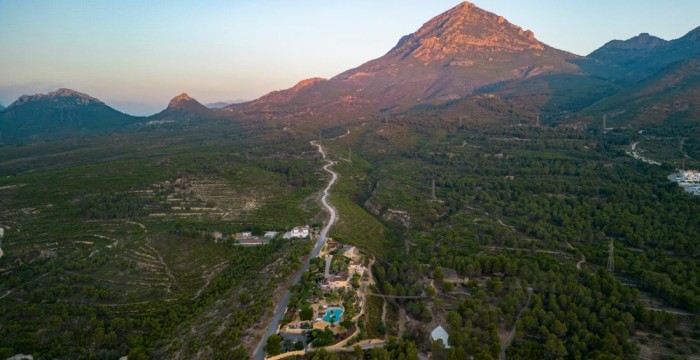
point(282, 306)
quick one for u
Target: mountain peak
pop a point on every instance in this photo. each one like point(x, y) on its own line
point(643, 40)
point(465, 29)
point(448, 58)
point(63, 92)
point(181, 105)
point(176, 101)
point(59, 114)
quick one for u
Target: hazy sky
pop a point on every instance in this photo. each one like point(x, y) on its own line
point(137, 54)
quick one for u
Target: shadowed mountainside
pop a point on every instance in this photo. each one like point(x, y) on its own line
point(59, 114)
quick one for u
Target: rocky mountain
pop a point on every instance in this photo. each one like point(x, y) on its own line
point(449, 57)
point(635, 59)
point(59, 114)
point(2, 108)
point(182, 107)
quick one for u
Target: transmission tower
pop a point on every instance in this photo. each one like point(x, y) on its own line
point(611, 257)
point(433, 192)
point(605, 122)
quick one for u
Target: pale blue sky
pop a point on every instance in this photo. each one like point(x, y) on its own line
point(137, 54)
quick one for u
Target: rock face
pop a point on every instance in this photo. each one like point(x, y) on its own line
point(180, 101)
point(461, 32)
point(59, 114)
point(446, 59)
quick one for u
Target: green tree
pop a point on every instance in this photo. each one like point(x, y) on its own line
point(273, 345)
point(306, 313)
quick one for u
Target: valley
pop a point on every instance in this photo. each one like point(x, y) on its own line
point(474, 193)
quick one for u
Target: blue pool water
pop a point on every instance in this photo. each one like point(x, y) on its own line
point(335, 313)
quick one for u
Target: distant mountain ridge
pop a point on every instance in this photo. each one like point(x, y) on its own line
point(66, 113)
point(223, 104)
point(637, 58)
point(464, 61)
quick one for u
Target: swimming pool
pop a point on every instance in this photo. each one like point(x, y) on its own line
point(333, 314)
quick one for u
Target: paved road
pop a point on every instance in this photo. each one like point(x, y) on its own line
point(282, 306)
point(327, 269)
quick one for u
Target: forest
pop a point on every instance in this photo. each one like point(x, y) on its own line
point(522, 215)
point(514, 209)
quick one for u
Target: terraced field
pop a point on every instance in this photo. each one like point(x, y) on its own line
point(96, 252)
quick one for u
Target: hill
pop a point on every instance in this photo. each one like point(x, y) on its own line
point(182, 107)
point(59, 114)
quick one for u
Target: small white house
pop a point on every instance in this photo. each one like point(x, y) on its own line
point(270, 234)
point(243, 235)
point(439, 333)
point(298, 232)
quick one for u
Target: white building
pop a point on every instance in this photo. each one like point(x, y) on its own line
point(690, 176)
point(440, 334)
point(243, 235)
point(270, 234)
point(297, 232)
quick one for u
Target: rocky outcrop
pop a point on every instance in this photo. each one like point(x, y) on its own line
point(465, 30)
point(66, 96)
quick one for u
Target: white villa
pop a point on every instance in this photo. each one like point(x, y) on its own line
point(298, 232)
point(270, 234)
